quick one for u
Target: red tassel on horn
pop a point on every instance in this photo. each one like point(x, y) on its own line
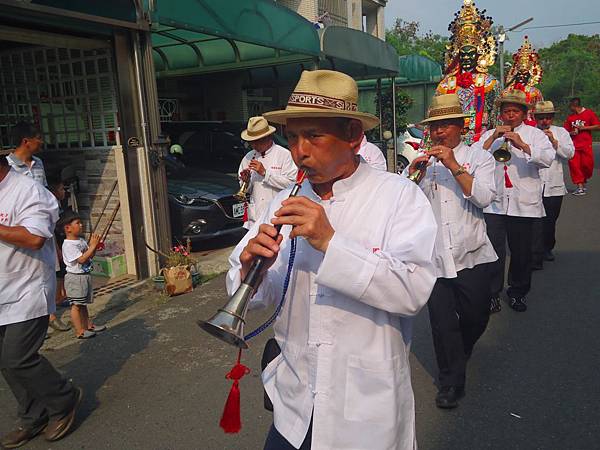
point(231, 421)
point(507, 182)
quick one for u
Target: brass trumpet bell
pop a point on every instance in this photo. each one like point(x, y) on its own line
point(502, 154)
point(242, 194)
point(228, 323)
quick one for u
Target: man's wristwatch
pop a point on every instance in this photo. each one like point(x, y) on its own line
point(459, 171)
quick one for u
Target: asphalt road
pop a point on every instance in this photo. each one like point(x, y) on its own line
point(157, 381)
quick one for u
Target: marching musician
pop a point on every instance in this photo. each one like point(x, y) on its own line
point(518, 199)
point(267, 168)
point(362, 269)
point(459, 184)
point(553, 183)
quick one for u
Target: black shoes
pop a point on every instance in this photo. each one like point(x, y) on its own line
point(518, 304)
point(538, 265)
point(495, 305)
point(549, 256)
point(448, 396)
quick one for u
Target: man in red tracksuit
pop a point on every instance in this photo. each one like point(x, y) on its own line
point(580, 125)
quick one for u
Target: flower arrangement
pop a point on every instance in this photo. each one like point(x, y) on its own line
point(179, 255)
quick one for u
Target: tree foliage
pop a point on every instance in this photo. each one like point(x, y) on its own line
point(571, 69)
point(403, 104)
point(407, 39)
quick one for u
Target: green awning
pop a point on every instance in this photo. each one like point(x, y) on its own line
point(358, 54)
point(412, 69)
point(201, 36)
point(419, 68)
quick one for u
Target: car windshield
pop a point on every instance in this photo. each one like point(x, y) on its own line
point(415, 132)
point(211, 146)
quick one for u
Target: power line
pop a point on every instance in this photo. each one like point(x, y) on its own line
point(557, 26)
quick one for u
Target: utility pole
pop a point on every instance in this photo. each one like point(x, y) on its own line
point(501, 36)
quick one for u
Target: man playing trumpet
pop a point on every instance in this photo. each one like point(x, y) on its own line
point(518, 199)
point(265, 170)
point(362, 270)
point(459, 183)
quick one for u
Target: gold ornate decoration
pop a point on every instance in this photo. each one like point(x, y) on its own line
point(526, 59)
point(471, 27)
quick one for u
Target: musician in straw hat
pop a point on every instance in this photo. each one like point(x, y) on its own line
point(268, 167)
point(459, 183)
point(518, 199)
point(553, 183)
point(362, 270)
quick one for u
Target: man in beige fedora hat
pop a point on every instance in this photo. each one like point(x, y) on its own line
point(553, 184)
point(362, 270)
point(267, 168)
point(459, 183)
point(518, 199)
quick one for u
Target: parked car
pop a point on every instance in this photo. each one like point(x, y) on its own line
point(203, 180)
point(408, 146)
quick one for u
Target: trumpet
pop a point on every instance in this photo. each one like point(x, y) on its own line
point(228, 322)
point(242, 194)
point(420, 167)
point(502, 153)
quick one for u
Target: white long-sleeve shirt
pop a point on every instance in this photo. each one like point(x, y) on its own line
point(280, 173)
point(346, 325)
point(27, 277)
point(462, 241)
point(524, 199)
point(372, 155)
point(553, 180)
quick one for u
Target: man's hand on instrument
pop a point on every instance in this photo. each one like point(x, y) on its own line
point(515, 139)
point(551, 137)
point(308, 220)
point(445, 155)
point(413, 165)
point(500, 130)
point(258, 167)
point(265, 244)
point(245, 175)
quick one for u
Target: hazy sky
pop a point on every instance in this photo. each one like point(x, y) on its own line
point(435, 15)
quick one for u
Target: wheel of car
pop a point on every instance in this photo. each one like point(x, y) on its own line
point(402, 164)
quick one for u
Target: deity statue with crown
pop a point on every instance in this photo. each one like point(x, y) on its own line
point(470, 53)
point(524, 75)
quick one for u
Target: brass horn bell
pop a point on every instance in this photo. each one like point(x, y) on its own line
point(228, 323)
point(502, 154)
point(242, 194)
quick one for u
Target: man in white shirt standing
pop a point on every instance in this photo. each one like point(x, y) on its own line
point(268, 168)
point(459, 184)
point(47, 402)
point(544, 236)
point(518, 199)
point(28, 141)
point(372, 154)
point(362, 269)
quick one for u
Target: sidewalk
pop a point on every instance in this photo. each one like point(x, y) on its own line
point(136, 297)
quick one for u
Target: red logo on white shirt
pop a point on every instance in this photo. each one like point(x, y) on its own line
point(4, 217)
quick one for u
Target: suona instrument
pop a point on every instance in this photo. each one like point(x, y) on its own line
point(228, 323)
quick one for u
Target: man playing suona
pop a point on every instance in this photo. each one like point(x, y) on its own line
point(362, 270)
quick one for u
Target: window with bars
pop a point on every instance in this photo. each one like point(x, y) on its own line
point(68, 93)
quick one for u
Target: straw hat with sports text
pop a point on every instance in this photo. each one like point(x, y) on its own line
point(257, 128)
point(444, 107)
point(324, 93)
point(515, 96)
point(545, 107)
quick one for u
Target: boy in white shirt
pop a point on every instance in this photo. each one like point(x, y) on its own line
point(77, 256)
